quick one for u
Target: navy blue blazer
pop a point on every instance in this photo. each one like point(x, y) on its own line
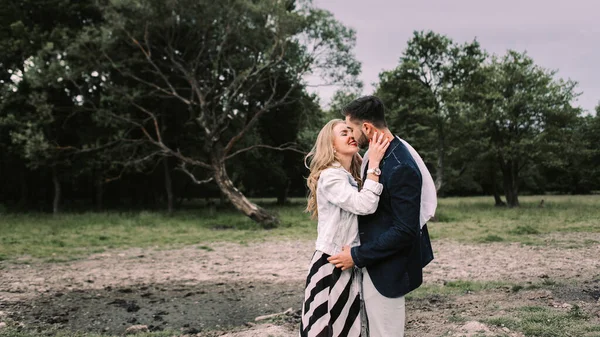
point(394, 248)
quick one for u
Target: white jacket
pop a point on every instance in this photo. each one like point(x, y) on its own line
point(339, 203)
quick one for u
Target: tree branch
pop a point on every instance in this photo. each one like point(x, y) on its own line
point(283, 147)
point(183, 169)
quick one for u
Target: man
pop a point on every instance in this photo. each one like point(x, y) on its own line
point(394, 240)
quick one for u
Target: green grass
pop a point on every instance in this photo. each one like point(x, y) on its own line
point(70, 236)
point(458, 287)
point(537, 321)
point(532, 320)
point(461, 287)
point(474, 220)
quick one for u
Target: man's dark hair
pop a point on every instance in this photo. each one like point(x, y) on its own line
point(366, 109)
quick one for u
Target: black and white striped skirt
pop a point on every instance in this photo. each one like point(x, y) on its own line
point(331, 305)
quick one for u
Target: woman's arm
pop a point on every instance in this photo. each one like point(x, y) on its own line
point(336, 187)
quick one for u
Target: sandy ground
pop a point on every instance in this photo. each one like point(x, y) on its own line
point(234, 283)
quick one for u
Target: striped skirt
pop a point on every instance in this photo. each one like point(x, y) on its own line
point(331, 305)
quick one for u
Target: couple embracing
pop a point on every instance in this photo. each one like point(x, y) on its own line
point(372, 238)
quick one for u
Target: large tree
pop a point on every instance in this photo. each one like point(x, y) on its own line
point(216, 68)
point(526, 114)
point(37, 107)
point(578, 169)
point(425, 96)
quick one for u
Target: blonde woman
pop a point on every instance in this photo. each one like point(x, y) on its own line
point(332, 300)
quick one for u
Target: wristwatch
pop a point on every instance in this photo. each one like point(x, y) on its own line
point(376, 171)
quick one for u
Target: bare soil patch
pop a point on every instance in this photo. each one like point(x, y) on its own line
point(219, 290)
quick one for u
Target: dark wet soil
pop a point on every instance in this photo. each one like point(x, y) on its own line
point(588, 291)
point(185, 308)
point(205, 307)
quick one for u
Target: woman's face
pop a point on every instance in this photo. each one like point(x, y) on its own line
point(343, 141)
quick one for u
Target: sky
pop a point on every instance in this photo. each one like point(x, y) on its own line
point(559, 35)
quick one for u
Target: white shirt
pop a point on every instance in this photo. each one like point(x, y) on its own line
point(428, 191)
point(339, 203)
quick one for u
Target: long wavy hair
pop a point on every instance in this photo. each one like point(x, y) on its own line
point(321, 157)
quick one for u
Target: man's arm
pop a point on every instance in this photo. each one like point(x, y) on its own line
point(405, 191)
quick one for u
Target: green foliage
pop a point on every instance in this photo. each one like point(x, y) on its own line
point(473, 117)
point(577, 170)
point(426, 99)
point(340, 99)
point(99, 90)
point(525, 115)
point(93, 92)
point(37, 102)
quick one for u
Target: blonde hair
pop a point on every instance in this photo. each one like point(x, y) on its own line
point(321, 157)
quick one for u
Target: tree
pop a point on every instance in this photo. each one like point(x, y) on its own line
point(219, 67)
point(36, 108)
point(340, 99)
point(425, 96)
point(577, 171)
point(527, 115)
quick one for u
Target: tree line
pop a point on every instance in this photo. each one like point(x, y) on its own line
point(146, 103)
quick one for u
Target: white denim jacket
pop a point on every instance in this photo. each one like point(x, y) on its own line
point(339, 203)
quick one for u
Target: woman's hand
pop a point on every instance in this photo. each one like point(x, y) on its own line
point(377, 146)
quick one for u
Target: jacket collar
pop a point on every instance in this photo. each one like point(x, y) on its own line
point(336, 164)
point(393, 145)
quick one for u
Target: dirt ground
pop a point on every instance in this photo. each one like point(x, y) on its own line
point(220, 291)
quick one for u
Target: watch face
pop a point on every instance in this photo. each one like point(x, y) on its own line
point(376, 171)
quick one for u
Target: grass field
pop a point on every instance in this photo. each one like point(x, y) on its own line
point(474, 219)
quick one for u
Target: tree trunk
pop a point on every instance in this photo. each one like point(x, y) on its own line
point(282, 194)
point(168, 186)
point(24, 199)
point(222, 199)
point(254, 212)
point(497, 199)
point(511, 185)
point(99, 192)
point(56, 182)
point(439, 172)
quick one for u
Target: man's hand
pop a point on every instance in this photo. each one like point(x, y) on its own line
point(342, 260)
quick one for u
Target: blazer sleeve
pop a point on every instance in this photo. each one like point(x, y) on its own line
point(336, 188)
point(405, 194)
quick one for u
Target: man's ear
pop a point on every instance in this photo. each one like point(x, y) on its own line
point(367, 129)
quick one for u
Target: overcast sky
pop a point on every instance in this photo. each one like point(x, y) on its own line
point(558, 34)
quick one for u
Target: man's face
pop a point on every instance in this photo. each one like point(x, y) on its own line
point(357, 133)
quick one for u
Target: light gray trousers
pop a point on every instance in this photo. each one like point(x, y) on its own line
point(385, 316)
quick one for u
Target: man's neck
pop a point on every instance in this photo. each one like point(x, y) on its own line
point(387, 133)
